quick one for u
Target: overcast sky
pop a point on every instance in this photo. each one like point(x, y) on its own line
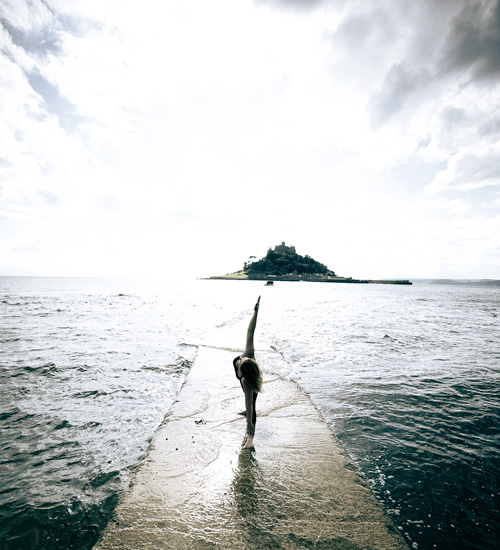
point(183, 136)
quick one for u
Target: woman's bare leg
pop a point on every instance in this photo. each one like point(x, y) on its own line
point(249, 348)
point(251, 399)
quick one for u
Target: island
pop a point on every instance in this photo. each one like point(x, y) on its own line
point(282, 263)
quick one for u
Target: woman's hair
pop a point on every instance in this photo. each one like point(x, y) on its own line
point(252, 374)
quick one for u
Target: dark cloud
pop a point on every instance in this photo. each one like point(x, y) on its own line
point(55, 103)
point(31, 25)
point(474, 40)
point(400, 85)
point(41, 41)
point(372, 33)
point(471, 49)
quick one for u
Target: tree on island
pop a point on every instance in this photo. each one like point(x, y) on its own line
point(283, 260)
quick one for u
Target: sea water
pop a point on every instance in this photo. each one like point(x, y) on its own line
point(407, 377)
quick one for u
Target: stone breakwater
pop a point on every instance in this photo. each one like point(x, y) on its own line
point(198, 489)
point(314, 278)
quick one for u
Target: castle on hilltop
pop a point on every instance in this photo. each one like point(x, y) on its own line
point(284, 248)
point(282, 263)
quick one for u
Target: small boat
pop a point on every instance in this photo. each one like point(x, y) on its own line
point(269, 283)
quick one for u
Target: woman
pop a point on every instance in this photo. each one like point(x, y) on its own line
point(250, 376)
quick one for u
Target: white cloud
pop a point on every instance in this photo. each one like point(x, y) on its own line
point(469, 169)
point(190, 134)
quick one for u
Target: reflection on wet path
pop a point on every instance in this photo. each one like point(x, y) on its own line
point(244, 491)
point(261, 505)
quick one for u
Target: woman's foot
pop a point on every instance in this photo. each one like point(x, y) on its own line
point(249, 443)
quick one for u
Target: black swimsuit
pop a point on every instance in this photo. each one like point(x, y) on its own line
point(236, 367)
point(254, 413)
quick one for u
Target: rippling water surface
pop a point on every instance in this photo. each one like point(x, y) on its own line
point(407, 378)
